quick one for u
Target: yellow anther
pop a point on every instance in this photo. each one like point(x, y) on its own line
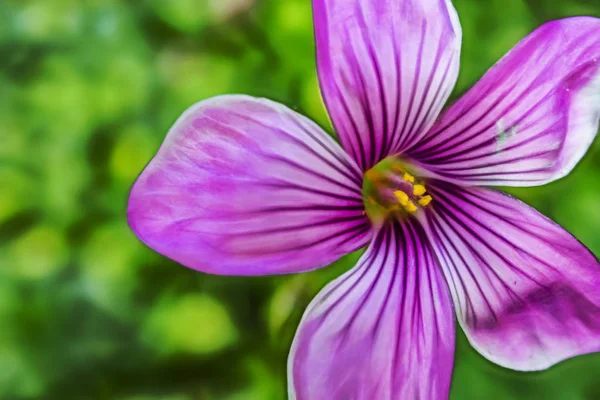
point(408, 177)
point(410, 207)
point(425, 200)
point(402, 197)
point(419, 190)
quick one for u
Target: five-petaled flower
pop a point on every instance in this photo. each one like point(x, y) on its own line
point(246, 186)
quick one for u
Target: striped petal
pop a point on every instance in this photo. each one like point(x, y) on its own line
point(247, 186)
point(525, 290)
point(384, 330)
point(531, 117)
point(386, 68)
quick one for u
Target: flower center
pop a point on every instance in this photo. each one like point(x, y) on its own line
point(390, 189)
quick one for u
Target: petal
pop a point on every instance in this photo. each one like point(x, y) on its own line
point(525, 290)
point(247, 186)
point(386, 68)
point(384, 330)
point(530, 119)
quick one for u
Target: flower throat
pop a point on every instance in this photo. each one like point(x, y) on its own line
point(389, 189)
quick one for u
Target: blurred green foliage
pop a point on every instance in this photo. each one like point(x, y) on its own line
point(88, 89)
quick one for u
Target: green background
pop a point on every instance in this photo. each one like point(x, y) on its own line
point(88, 90)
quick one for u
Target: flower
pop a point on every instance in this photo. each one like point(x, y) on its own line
point(246, 186)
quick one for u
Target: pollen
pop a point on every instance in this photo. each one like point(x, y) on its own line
point(410, 207)
point(402, 197)
point(425, 200)
point(419, 190)
point(390, 190)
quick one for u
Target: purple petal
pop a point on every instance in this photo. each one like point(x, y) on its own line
point(247, 186)
point(525, 290)
point(384, 330)
point(530, 119)
point(386, 68)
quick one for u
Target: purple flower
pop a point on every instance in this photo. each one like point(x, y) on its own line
point(246, 186)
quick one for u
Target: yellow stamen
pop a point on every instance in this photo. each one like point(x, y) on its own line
point(402, 197)
point(419, 190)
point(408, 177)
point(425, 200)
point(410, 207)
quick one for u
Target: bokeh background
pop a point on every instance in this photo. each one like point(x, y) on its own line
point(88, 90)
